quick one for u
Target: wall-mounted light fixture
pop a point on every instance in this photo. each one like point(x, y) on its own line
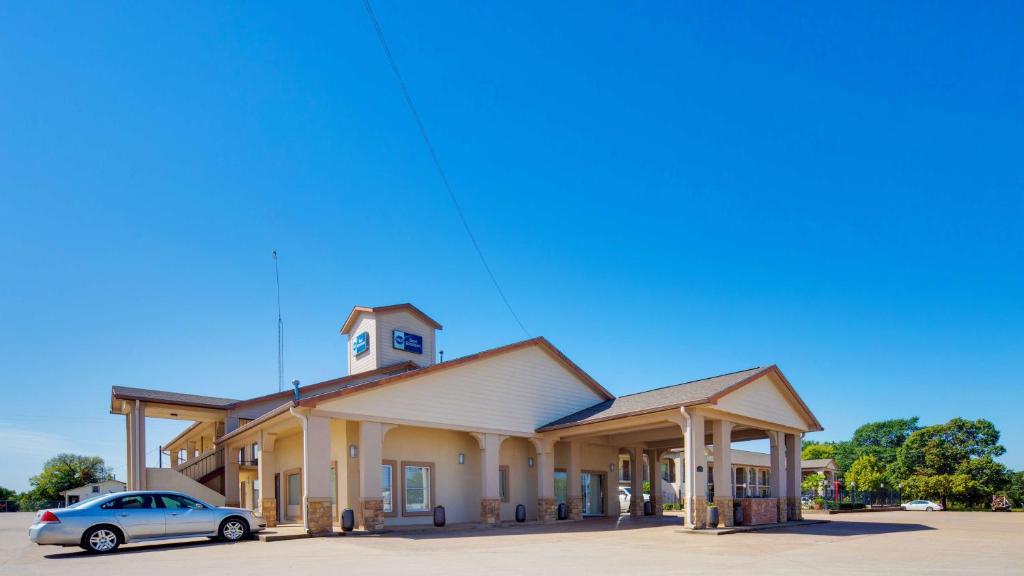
point(529, 461)
point(462, 458)
point(611, 467)
point(353, 451)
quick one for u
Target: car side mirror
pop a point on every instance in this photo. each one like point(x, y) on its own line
point(200, 507)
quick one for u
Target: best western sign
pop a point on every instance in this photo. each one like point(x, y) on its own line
point(406, 341)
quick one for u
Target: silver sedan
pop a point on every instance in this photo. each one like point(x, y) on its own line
point(102, 524)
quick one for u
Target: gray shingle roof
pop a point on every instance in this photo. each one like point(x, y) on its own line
point(693, 392)
point(146, 395)
point(817, 463)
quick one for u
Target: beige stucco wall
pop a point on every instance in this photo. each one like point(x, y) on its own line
point(596, 458)
point(456, 486)
point(515, 392)
point(515, 453)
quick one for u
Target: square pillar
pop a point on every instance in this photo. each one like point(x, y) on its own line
point(371, 496)
point(793, 477)
point(490, 497)
point(231, 493)
point(129, 456)
point(696, 469)
point(316, 473)
point(654, 473)
point(636, 479)
point(722, 432)
point(574, 481)
point(136, 430)
point(266, 468)
point(777, 481)
point(547, 507)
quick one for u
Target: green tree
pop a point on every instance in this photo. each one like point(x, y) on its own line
point(937, 460)
point(818, 451)
point(7, 494)
point(1015, 488)
point(879, 439)
point(866, 473)
point(813, 483)
point(65, 471)
point(983, 477)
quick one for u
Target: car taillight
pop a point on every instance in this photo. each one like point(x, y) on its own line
point(49, 518)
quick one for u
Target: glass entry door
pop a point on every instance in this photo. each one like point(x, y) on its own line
point(593, 493)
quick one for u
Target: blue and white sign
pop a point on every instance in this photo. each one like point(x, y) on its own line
point(361, 343)
point(406, 341)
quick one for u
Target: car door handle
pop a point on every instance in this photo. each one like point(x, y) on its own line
point(173, 513)
point(123, 514)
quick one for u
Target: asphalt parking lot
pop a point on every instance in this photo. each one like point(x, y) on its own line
point(877, 543)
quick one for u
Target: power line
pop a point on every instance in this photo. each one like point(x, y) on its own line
point(436, 160)
point(280, 329)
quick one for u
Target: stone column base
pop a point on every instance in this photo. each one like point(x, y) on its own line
point(547, 509)
point(371, 513)
point(268, 509)
point(318, 515)
point(782, 509)
point(490, 510)
point(794, 512)
point(698, 510)
point(575, 507)
point(725, 512)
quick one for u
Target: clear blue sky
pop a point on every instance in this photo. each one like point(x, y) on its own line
point(837, 190)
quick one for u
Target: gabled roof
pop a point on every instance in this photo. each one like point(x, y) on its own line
point(357, 310)
point(165, 397)
point(333, 384)
point(818, 463)
point(705, 391)
point(539, 342)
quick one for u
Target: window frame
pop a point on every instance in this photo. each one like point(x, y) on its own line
point(430, 489)
point(395, 501)
point(503, 470)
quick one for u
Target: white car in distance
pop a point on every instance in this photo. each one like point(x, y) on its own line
point(926, 505)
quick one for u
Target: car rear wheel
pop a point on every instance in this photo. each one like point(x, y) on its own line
point(101, 540)
point(233, 530)
point(929, 509)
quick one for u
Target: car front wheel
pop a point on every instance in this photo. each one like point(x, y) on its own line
point(929, 509)
point(233, 530)
point(101, 540)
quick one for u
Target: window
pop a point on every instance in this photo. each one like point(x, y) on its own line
point(254, 452)
point(333, 480)
point(741, 482)
point(255, 494)
point(175, 502)
point(417, 488)
point(626, 471)
point(95, 489)
point(503, 483)
point(387, 482)
point(668, 470)
point(765, 483)
point(751, 483)
point(294, 489)
point(241, 455)
point(137, 502)
point(561, 484)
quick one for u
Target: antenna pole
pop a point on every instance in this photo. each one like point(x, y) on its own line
point(280, 329)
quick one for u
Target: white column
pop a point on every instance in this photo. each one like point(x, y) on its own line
point(777, 481)
point(722, 432)
point(636, 476)
point(654, 464)
point(794, 476)
point(129, 456)
point(545, 474)
point(137, 446)
point(371, 496)
point(231, 491)
point(574, 483)
point(696, 469)
point(490, 493)
point(266, 468)
point(316, 473)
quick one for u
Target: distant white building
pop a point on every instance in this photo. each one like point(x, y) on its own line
point(92, 490)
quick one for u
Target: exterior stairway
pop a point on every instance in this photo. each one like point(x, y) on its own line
point(192, 477)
